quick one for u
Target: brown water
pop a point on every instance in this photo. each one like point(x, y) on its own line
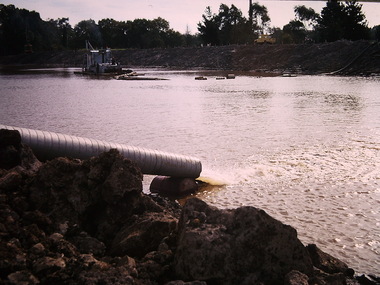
point(305, 149)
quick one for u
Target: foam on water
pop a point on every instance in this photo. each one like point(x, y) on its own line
point(329, 193)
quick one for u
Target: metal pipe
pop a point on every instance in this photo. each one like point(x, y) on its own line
point(48, 145)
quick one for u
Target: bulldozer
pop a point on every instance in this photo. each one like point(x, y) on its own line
point(265, 39)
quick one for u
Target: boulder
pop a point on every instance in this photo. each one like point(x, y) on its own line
point(23, 277)
point(295, 277)
point(97, 195)
point(326, 262)
point(240, 246)
point(144, 235)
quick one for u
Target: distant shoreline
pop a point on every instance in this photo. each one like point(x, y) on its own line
point(347, 57)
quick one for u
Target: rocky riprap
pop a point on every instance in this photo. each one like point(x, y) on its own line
point(68, 221)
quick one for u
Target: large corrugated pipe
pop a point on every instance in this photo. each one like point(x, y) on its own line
point(48, 145)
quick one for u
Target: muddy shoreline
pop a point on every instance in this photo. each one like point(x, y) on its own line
point(342, 57)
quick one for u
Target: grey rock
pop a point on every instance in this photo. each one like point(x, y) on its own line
point(238, 246)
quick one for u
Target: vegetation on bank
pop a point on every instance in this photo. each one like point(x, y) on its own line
point(24, 31)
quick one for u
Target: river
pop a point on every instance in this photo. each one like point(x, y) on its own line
point(305, 149)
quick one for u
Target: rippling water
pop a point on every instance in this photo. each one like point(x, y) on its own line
point(305, 149)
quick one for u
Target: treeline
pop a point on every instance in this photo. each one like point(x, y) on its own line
point(338, 20)
point(24, 31)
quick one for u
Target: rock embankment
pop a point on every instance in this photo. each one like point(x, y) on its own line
point(68, 221)
point(350, 58)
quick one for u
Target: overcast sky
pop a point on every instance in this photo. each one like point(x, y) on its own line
point(181, 14)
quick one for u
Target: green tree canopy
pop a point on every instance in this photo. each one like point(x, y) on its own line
point(87, 30)
point(20, 27)
point(258, 17)
point(64, 30)
point(307, 16)
point(294, 32)
point(209, 28)
point(227, 27)
point(342, 21)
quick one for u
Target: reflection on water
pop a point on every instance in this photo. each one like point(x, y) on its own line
point(304, 149)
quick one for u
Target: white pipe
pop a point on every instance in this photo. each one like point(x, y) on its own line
point(48, 145)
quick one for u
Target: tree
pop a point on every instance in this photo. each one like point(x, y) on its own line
point(294, 32)
point(63, 29)
point(87, 30)
point(375, 33)
point(342, 21)
point(20, 27)
point(209, 28)
point(297, 30)
point(13, 30)
point(158, 29)
point(258, 17)
point(231, 25)
point(331, 22)
point(227, 27)
point(306, 15)
point(356, 27)
point(112, 33)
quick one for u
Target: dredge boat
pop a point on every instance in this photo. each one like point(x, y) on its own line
point(100, 62)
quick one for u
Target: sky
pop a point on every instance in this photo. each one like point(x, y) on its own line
point(182, 15)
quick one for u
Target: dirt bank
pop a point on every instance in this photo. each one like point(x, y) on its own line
point(356, 58)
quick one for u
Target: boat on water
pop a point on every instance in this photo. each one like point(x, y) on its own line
point(99, 62)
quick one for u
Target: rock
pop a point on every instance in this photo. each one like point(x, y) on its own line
point(88, 244)
point(144, 235)
point(23, 277)
point(37, 250)
point(180, 282)
point(321, 277)
point(110, 276)
point(326, 262)
point(10, 181)
point(41, 220)
point(295, 277)
point(127, 262)
point(156, 265)
point(13, 258)
point(47, 265)
point(241, 246)
point(88, 260)
point(58, 244)
point(368, 279)
point(98, 194)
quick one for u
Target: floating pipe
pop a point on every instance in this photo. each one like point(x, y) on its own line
point(48, 145)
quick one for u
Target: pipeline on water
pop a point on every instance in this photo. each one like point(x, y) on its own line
point(48, 145)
